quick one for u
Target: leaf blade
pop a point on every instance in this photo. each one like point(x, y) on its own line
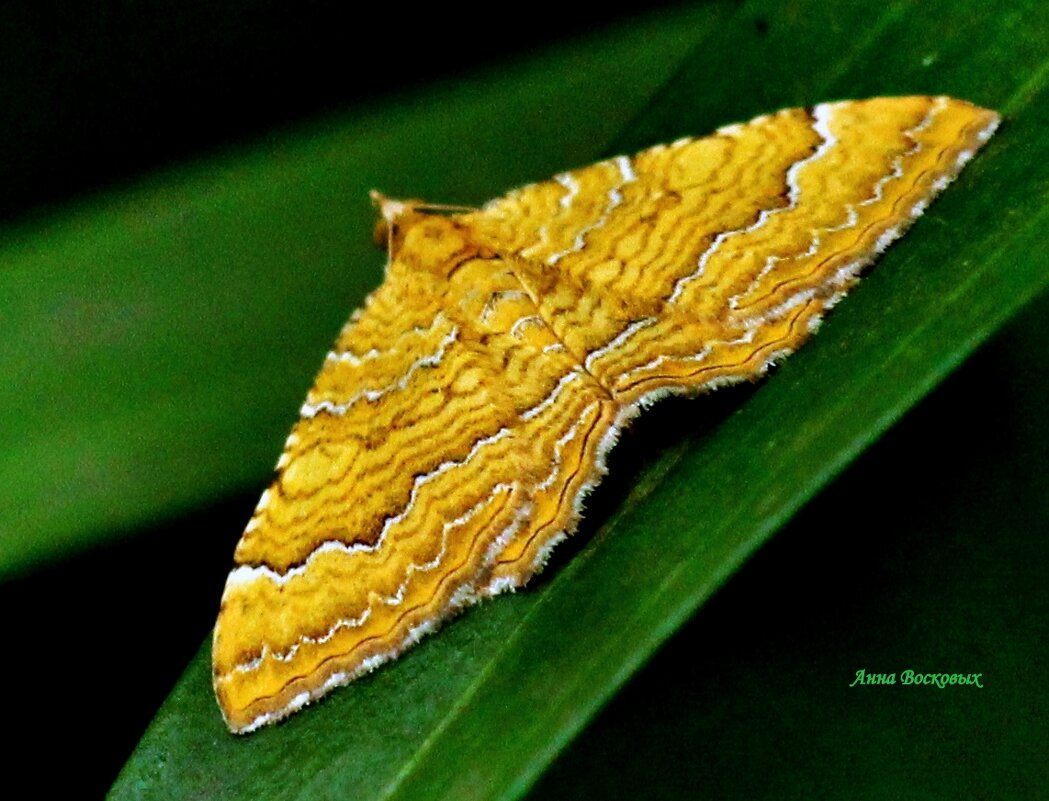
point(158, 340)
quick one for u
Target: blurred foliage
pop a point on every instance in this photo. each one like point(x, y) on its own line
point(159, 340)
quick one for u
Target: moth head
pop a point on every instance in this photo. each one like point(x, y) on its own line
point(390, 211)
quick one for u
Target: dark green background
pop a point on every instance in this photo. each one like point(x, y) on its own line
point(135, 441)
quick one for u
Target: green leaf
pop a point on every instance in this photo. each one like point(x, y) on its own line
point(927, 554)
point(481, 710)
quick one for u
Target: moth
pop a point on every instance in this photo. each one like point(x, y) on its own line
point(468, 406)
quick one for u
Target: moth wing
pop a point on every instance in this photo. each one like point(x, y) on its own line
point(699, 263)
point(442, 425)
